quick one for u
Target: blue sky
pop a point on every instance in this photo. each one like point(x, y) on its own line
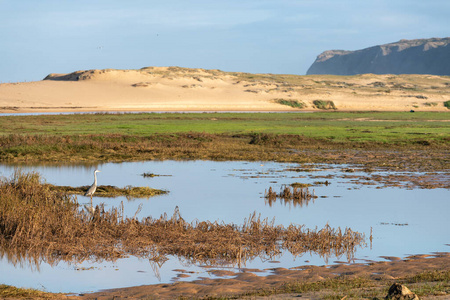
point(38, 37)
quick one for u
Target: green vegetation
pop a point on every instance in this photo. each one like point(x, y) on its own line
point(429, 276)
point(447, 104)
point(291, 103)
point(296, 137)
point(382, 126)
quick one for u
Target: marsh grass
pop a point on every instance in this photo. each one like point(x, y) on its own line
point(220, 136)
point(110, 191)
point(295, 192)
point(300, 185)
point(10, 292)
point(342, 287)
point(218, 123)
point(41, 224)
point(294, 195)
point(402, 155)
point(338, 288)
point(405, 154)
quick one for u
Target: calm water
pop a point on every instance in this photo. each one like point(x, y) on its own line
point(404, 221)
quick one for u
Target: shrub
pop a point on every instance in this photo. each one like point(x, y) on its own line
point(291, 103)
point(324, 104)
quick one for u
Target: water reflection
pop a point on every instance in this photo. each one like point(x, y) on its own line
point(73, 235)
point(227, 192)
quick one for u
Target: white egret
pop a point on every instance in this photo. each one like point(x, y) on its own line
point(90, 192)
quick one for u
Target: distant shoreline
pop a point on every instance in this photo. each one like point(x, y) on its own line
point(52, 112)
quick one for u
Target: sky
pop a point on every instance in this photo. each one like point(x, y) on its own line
point(257, 36)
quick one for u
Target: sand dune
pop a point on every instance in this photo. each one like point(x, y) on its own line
point(182, 89)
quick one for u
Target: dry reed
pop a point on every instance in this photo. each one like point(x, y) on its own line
point(233, 146)
point(290, 195)
point(40, 224)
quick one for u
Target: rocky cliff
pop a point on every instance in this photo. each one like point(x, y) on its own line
point(423, 56)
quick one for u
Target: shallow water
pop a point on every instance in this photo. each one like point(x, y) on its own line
point(142, 112)
point(404, 221)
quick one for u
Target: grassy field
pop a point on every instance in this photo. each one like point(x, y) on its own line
point(296, 137)
point(340, 126)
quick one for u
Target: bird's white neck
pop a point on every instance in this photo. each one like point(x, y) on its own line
point(95, 178)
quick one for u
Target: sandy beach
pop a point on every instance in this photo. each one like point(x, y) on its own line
point(179, 89)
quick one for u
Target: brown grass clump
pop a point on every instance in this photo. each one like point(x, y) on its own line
point(151, 175)
point(41, 224)
point(300, 185)
point(290, 195)
point(11, 292)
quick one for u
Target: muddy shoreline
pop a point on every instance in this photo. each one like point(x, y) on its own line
point(249, 284)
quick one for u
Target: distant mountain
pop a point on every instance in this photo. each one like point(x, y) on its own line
point(423, 56)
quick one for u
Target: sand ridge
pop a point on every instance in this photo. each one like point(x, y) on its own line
point(183, 89)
